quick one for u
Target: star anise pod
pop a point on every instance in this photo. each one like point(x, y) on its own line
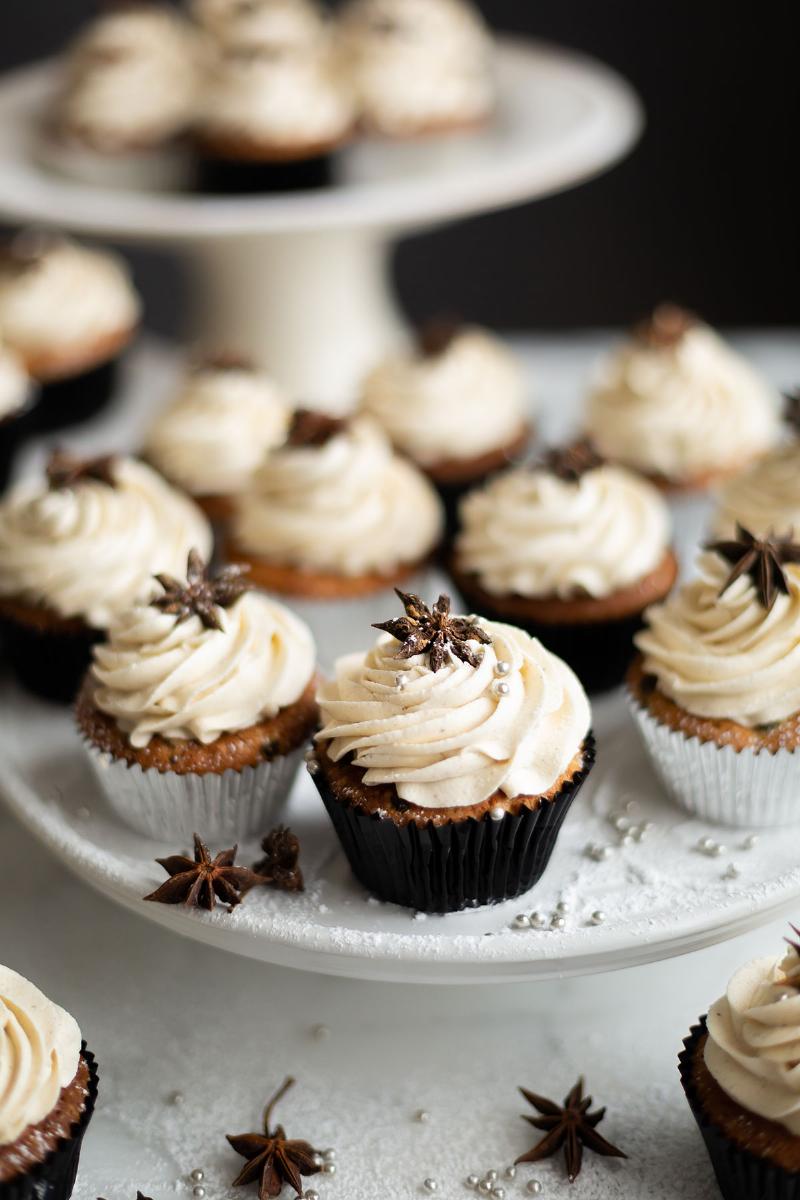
point(571, 1126)
point(791, 411)
point(65, 470)
point(435, 631)
point(570, 463)
point(27, 249)
point(762, 559)
point(273, 1160)
point(311, 428)
point(437, 336)
point(202, 595)
point(224, 360)
point(200, 881)
point(280, 866)
point(666, 327)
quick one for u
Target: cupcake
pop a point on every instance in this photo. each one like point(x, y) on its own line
point(216, 432)
point(739, 1072)
point(679, 405)
point(76, 550)
point(456, 406)
point(197, 709)
point(128, 96)
point(47, 1097)
point(448, 757)
point(420, 66)
point(573, 550)
point(17, 398)
point(69, 312)
point(715, 689)
point(766, 496)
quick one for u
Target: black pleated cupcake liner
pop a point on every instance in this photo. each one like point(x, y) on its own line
point(51, 665)
point(65, 402)
point(54, 1177)
point(463, 864)
point(740, 1174)
point(225, 177)
point(14, 431)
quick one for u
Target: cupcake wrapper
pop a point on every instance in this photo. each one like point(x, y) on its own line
point(743, 788)
point(223, 177)
point(65, 402)
point(54, 1178)
point(164, 805)
point(51, 665)
point(740, 1174)
point(446, 868)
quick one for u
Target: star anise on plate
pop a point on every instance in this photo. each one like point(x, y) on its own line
point(791, 411)
point(665, 327)
point(437, 336)
point(434, 631)
point(201, 881)
point(203, 594)
point(65, 470)
point(273, 1160)
point(570, 463)
point(311, 428)
point(763, 559)
point(280, 866)
point(571, 1126)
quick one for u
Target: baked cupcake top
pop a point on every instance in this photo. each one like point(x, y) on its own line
point(335, 498)
point(15, 386)
point(726, 645)
point(285, 24)
point(215, 433)
point(87, 541)
point(419, 64)
point(205, 657)
point(570, 526)
point(479, 708)
point(457, 398)
point(131, 80)
point(56, 294)
point(753, 1035)
point(677, 402)
point(40, 1047)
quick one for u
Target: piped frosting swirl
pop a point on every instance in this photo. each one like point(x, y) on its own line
point(765, 497)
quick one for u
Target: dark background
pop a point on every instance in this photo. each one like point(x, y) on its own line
point(703, 212)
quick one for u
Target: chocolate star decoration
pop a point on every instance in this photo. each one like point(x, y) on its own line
point(763, 559)
point(310, 428)
point(571, 463)
point(65, 470)
point(434, 631)
point(273, 1160)
point(201, 881)
point(280, 867)
point(666, 327)
point(202, 595)
point(571, 1127)
point(791, 411)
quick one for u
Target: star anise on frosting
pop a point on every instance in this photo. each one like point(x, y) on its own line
point(27, 249)
point(570, 463)
point(571, 1126)
point(434, 631)
point(65, 470)
point(311, 428)
point(200, 881)
point(791, 411)
point(665, 327)
point(280, 866)
point(223, 360)
point(437, 336)
point(763, 559)
point(272, 1158)
point(203, 594)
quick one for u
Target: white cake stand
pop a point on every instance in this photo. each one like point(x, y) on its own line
point(302, 283)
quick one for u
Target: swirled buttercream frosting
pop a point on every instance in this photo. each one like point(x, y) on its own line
point(530, 533)
point(451, 737)
point(40, 1048)
point(765, 497)
point(91, 550)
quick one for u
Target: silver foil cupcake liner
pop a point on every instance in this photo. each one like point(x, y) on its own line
point(744, 788)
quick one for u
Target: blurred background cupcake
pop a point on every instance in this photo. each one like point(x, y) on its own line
point(17, 398)
point(766, 497)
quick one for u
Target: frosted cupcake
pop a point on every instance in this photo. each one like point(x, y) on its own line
point(130, 89)
point(716, 690)
point(739, 1072)
point(420, 66)
point(68, 312)
point(216, 432)
point(197, 709)
point(573, 550)
point(448, 757)
point(680, 405)
point(76, 550)
point(17, 399)
point(765, 497)
point(48, 1093)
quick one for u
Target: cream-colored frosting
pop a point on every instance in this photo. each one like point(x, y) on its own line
point(40, 1047)
point(179, 680)
point(419, 63)
point(753, 1046)
point(683, 410)
point(132, 80)
point(15, 386)
point(529, 533)
point(284, 24)
point(765, 497)
point(723, 655)
point(69, 295)
point(215, 434)
point(449, 738)
point(90, 551)
point(351, 507)
point(467, 401)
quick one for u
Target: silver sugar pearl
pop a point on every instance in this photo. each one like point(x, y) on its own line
point(621, 824)
point(705, 844)
point(562, 906)
point(638, 833)
point(484, 1186)
point(401, 682)
point(521, 921)
point(558, 923)
point(499, 1193)
point(491, 1176)
point(717, 850)
point(177, 1098)
point(510, 1173)
point(317, 1159)
point(329, 1155)
point(502, 688)
point(311, 1194)
point(471, 1182)
point(422, 1116)
point(626, 839)
point(501, 667)
point(497, 813)
point(196, 1175)
point(731, 872)
point(538, 920)
point(533, 1187)
point(312, 766)
point(199, 1191)
point(597, 917)
point(430, 1185)
point(750, 841)
point(329, 1168)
